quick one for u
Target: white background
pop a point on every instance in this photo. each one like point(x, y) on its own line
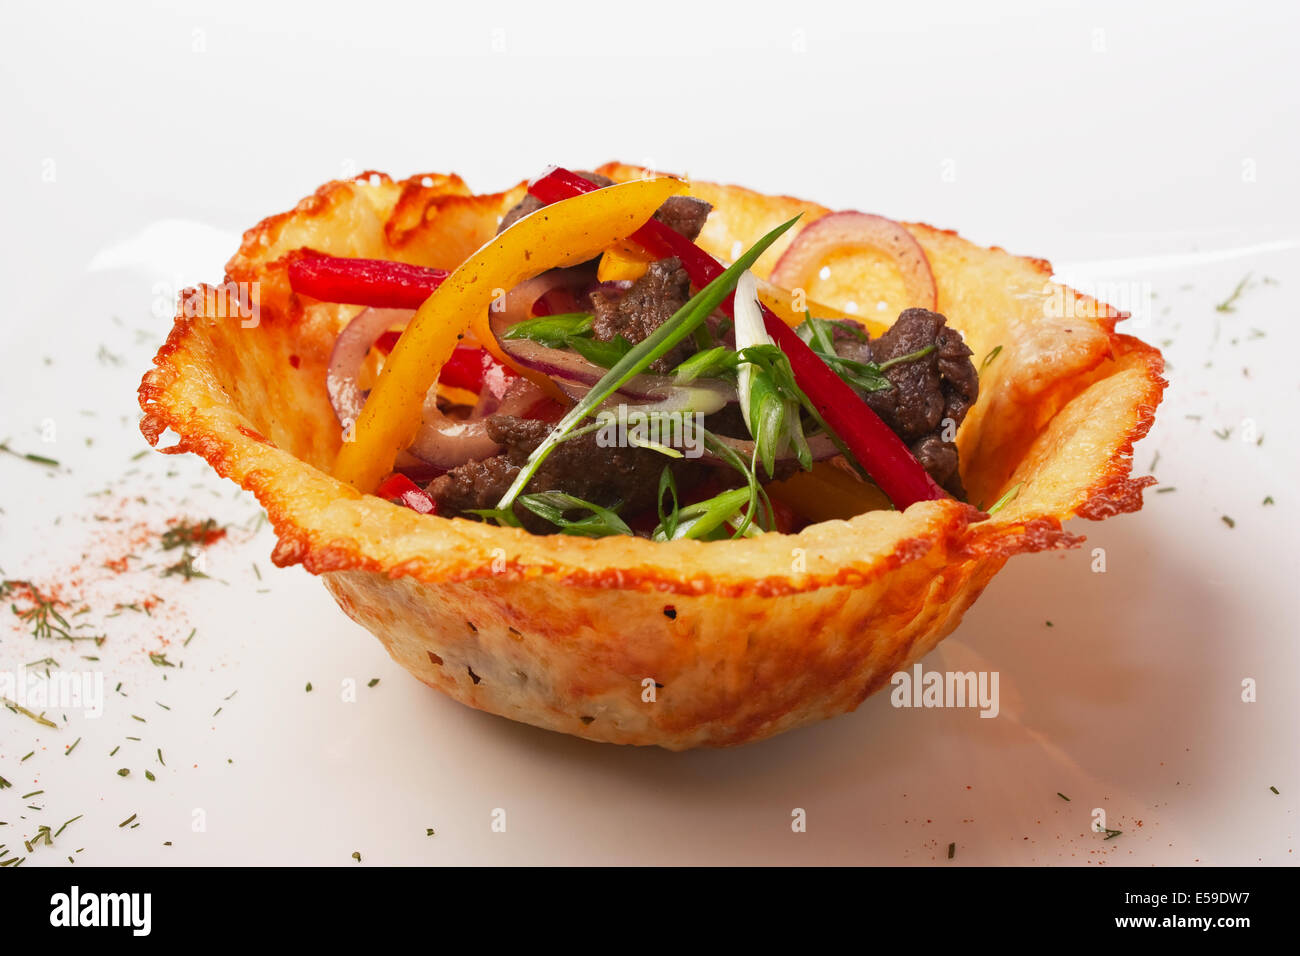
point(1154, 144)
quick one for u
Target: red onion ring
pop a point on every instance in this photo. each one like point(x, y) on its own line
point(573, 368)
point(446, 442)
point(841, 230)
point(442, 441)
point(517, 304)
point(350, 350)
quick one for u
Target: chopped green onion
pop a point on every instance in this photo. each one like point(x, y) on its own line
point(658, 343)
point(552, 505)
point(707, 364)
point(604, 354)
point(553, 331)
point(1005, 500)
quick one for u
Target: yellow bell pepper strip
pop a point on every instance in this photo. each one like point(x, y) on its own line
point(827, 492)
point(623, 264)
point(563, 234)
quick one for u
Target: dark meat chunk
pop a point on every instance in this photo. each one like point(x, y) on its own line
point(851, 341)
point(579, 467)
point(530, 203)
point(939, 458)
point(475, 485)
point(930, 395)
point(684, 214)
point(943, 384)
point(636, 312)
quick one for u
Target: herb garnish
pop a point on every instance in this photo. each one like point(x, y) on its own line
point(187, 533)
point(19, 709)
point(552, 331)
point(553, 506)
point(1005, 500)
point(658, 343)
point(184, 567)
point(707, 364)
point(1230, 303)
point(38, 459)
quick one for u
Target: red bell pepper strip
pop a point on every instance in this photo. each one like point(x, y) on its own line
point(878, 450)
point(470, 367)
point(401, 490)
point(374, 282)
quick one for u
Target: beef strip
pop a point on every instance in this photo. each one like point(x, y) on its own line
point(579, 467)
point(683, 214)
point(637, 311)
point(926, 392)
point(530, 203)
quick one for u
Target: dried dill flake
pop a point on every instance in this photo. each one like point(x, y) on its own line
point(184, 534)
point(184, 567)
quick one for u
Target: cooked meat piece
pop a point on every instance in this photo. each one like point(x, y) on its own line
point(943, 384)
point(926, 393)
point(475, 485)
point(636, 312)
point(939, 458)
point(578, 467)
point(851, 341)
point(530, 204)
point(684, 214)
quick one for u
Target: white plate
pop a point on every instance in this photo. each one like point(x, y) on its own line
point(1148, 148)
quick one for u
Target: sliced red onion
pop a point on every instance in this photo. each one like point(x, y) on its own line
point(517, 304)
point(847, 230)
point(442, 441)
point(350, 350)
point(445, 442)
point(572, 367)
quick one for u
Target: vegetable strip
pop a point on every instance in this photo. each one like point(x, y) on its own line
point(378, 283)
point(878, 451)
point(547, 239)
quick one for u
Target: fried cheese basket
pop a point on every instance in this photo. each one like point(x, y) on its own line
point(677, 644)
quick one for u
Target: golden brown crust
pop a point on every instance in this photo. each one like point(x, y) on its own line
point(794, 627)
